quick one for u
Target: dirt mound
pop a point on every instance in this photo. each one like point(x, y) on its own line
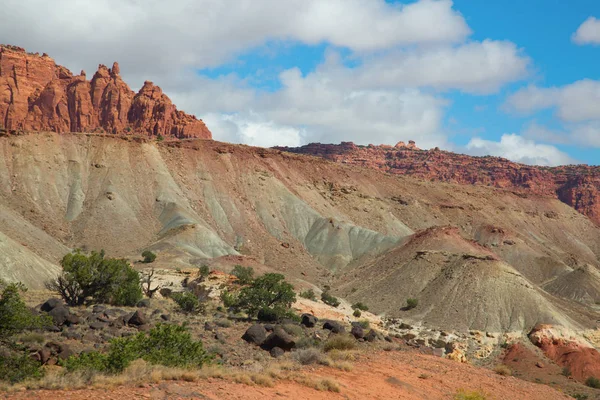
point(581, 284)
point(459, 284)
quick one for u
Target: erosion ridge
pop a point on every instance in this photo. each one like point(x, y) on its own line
point(575, 185)
point(36, 94)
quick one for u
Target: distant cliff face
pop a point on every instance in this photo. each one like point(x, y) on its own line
point(39, 95)
point(575, 185)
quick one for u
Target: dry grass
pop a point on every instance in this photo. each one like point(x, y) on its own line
point(343, 355)
point(502, 370)
point(321, 384)
point(339, 342)
point(343, 366)
point(470, 395)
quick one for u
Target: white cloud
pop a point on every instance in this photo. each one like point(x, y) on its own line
point(584, 134)
point(576, 102)
point(406, 54)
point(519, 149)
point(156, 36)
point(588, 32)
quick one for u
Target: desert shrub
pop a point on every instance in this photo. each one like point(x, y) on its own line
point(228, 298)
point(364, 323)
point(268, 294)
point(294, 330)
point(411, 303)
point(244, 275)
point(165, 344)
point(357, 313)
point(566, 371)
point(339, 342)
point(306, 341)
point(329, 299)
point(360, 306)
point(593, 382)
point(204, 271)
point(502, 370)
point(223, 323)
point(580, 396)
point(15, 316)
point(186, 301)
point(469, 395)
point(105, 280)
point(149, 257)
point(18, 366)
point(309, 294)
point(308, 356)
point(159, 138)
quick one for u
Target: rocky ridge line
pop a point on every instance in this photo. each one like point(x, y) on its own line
point(575, 185)
point(36, 94)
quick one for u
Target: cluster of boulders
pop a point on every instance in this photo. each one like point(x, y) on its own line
point(93, 326)
point(276, 340)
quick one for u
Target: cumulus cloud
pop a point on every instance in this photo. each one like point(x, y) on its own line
point(585, 134)
point(519, 149)
point(576, 102)
point(588, 32)
point(156, 36)
point(404, 57)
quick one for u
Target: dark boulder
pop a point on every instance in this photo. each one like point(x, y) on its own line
point(372, 336)
point(143, 303)
point(334, 327)
point(279, 338)
point(59, 315)
point(51, 304)
point(357, 331)
point(309, 320)
point(137, 319)
point(276, 352)
point(256, 334)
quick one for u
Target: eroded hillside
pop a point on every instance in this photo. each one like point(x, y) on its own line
point(364, 232)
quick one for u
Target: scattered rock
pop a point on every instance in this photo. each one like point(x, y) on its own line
point(144, 303)
point(59, 315)
point(277, 352)
point(279, 338)
point(256, 334)
point(357, 331)
point(98, 325)
point(372, 336)
point(51, 304)
point(137, 319)
point(309, 320)
point(334, 326)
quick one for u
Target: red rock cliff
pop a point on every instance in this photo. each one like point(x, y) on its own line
point(575, 185)
point(37, 94)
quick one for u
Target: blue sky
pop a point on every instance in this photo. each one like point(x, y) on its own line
point(517, 79)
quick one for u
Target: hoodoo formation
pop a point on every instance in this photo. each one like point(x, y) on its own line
point(36, 94)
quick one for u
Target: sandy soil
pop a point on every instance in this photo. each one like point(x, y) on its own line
point(386, 375)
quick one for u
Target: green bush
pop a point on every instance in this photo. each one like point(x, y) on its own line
point(360, 306)
point(357, 313)
point(229, 299)
point(165, 344)
point(269, 293)
point(364, 324)
point(15, 316)
point(18, 366)
point(411, 303)
point(105, 280)
point(149, 256)
point(203, 271)
point(309, 294)
point(244, 275)
point(593, 382)
point(329, 299)
point(186, 301)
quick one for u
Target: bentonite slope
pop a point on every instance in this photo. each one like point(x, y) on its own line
point(373, 237)
point(575, 185)
point(36, 94)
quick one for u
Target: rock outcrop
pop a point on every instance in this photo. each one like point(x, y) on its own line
point(36, 94)
point(575, 185)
